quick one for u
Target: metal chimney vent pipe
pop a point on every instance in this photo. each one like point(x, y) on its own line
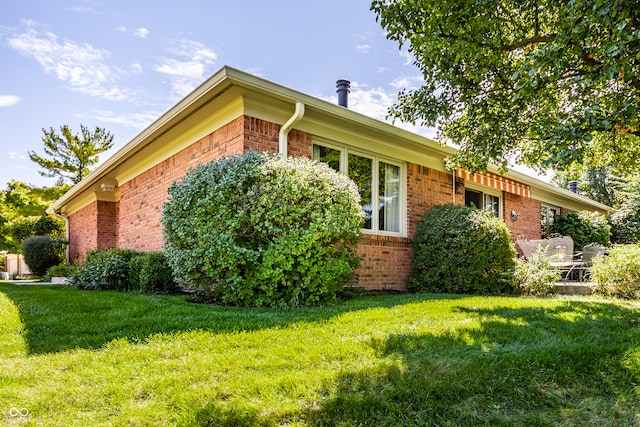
point(343, 87)
point(573, 186)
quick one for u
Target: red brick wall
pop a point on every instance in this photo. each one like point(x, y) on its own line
point(141, 198)
point(82, 232)
point(528, 224)
point(107, 219)
point(386, 262)
point(134, 222)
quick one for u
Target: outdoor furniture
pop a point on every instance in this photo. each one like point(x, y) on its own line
point(559, 250)
point(589, 254)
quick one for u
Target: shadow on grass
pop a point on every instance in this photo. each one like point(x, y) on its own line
point(58, 318)
point(574, 364)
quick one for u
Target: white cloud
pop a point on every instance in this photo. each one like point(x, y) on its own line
point(137, 68)
point(14, 155)
point(122, 29)
point(364, 48)
point(407, 82)
point(82, 66)
point(9, 100)
point(189, 67)
point(141, 32)
point(132, 120)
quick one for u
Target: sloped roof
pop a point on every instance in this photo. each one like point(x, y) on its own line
point(230, 93)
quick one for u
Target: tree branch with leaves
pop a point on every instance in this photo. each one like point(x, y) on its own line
point(544, 83)
point(70, 157)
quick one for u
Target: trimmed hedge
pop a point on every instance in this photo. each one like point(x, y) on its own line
point(263, 230)
point(104, 269)
point(124, 270)
point(150, 272)
point(42, 252)
point(462, 250)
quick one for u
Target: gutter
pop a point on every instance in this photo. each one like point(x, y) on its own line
point(283, 140)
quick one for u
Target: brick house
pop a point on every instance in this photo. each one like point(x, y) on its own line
point(120, 203)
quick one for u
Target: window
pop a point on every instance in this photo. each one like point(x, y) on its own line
point(546, 218)
point(487, 202)
point(379, 183)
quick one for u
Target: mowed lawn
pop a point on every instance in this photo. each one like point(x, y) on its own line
point(89, 358)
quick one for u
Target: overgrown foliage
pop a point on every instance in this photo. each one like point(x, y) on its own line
point(535, 276)
point(463, 250)
point(42, 252)
point(544, 82)
point(618, 274)
point(263, 230)
point(68, 156)
point(625, 223)
point(584, 227)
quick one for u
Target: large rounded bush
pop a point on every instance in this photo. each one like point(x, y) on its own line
point(584, 227)
point(458, 249)
point(263, 230)
point(42, 252)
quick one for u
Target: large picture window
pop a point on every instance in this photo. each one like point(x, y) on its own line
point(379, 182)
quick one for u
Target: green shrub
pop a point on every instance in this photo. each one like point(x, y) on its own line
point(46, 225)
point(61, 270)
point(458, 249)
point(150, 272)
point(618, 274)
point(261, 230)
point(536, 277)
point(104, 269)
point(625, 223)
point(42, 252)
point(584, 227)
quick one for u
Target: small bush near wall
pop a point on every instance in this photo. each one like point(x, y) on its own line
point(618, 274)
point(458, 249)
point(42, 252)
point(61, 270)
point(260, 230)
point(536, 277)
point(150, 272)
point(584, 228)
point(104, 269)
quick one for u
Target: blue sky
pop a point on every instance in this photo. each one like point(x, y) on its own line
point(121, 64)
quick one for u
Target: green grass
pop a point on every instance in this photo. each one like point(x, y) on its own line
point(103, 358)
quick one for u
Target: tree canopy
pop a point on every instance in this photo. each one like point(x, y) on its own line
point(542, 82)
point(22, 212)
point(70, 157)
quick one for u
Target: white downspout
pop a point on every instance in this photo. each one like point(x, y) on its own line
point(66, 230)
point(283, 141)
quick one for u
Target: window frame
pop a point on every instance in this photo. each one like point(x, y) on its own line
point(487, 191)
point(546, 226)
point(376, 159)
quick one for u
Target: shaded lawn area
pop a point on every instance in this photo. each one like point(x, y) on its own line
point(81, 358)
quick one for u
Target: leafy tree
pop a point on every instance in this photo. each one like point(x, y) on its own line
point(70, 157)
point(539, 82)
point(22, 205)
